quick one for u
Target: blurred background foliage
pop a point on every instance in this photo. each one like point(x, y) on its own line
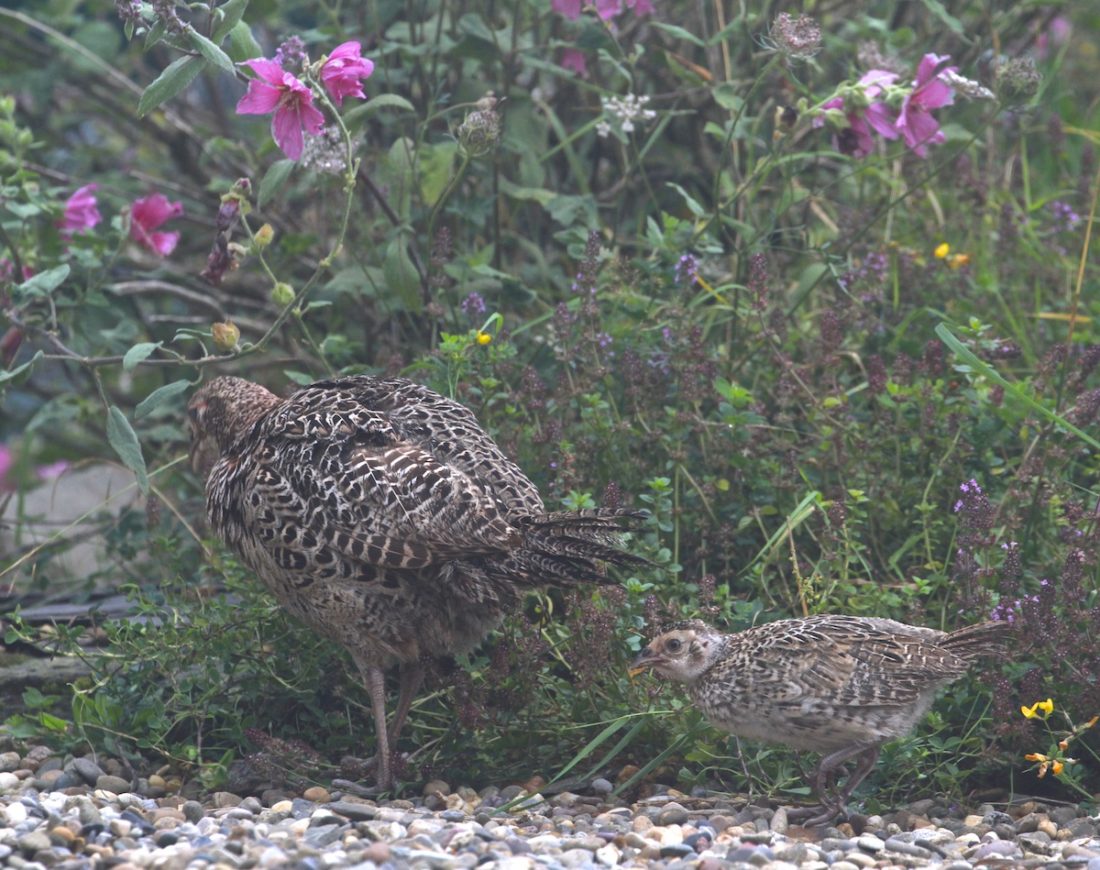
point(625, 244)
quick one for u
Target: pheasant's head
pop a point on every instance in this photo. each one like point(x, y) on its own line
point(683, 652)
point(219, 413)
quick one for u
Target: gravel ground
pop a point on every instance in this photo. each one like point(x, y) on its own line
point(70, 813)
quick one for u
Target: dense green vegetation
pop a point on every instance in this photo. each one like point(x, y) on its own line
point(818, 294)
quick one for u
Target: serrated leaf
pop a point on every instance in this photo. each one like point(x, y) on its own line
point(210, 51)
point(231, 11)
point(125, 442)
point(44, 283)
point(176, 76)
point(19, 369)
point(401, 275)
point(242, 44)
point(375, 104)
point(159, 396)
point(137, 353)
point(273, 180)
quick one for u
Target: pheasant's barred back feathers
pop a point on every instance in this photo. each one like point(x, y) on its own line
point(378, 509)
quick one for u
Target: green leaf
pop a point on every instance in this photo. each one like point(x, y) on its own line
point(950, 21)
point(155, 33)
point(242, 44)
point(125, 442)
point(1011, 390)
point(300, 378)
point(158, 397)
point(375, 104)
point(436, 167)
point(274, 180)
point(19, 369)
point(44, 283)
point(691, 202)
point(679, 33)
point(401, 275)
point(176, 76)
point(137, 353)
point(231, 13)
point(211, 52)
point(726, 95)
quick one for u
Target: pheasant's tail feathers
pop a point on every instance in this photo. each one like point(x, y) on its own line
point(983, 639)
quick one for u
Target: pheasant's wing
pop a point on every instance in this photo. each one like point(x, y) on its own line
point(852, 662)
point(330, 473)
point(450, 433)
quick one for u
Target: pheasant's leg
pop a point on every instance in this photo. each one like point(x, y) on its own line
point(834, 804)
point(866, 763)
point(412, 675)
point(376, 688)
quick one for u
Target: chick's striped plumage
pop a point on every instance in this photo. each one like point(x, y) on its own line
point(834, 684)
point(382, 515)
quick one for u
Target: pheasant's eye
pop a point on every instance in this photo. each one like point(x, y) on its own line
point(673, 645)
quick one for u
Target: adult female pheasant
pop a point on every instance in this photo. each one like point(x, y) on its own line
point(384, 517)
point(834, 684)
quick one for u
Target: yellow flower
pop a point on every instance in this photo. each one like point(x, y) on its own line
point(1063, 745)
point(1091, 722)
point(1039, 708)
point(942, 250)
point(1057, 767)
point(957, 261)
point(483, 337)
point(1035, 756)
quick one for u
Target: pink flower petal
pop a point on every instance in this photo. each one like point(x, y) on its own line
point(574, 59)
point(268, 70)
point(81, 212)
point(52, 471)
point(346, 49)
point(608, 9)
point(260, 99)
point(882, 120)
point(286, 130)
point(571, 9)
point(146, 215)
point(164, 243)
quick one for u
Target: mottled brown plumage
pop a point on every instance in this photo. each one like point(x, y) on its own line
point(838, 685)
point(384, 517)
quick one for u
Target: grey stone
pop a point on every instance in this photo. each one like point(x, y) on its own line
point(35, 841)
point(115, 784)
point(193, 811)
point(85, 769)
point(355, 811)
point(9, 761)
point(602, 786)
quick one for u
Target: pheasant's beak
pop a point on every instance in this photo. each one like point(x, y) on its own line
point(646, 659)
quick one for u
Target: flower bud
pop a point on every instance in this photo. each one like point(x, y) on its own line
point(226, 335)
point(480, 132)
point(263, 237)
point(282, 294)
point(483, 338)
point(1017, 81)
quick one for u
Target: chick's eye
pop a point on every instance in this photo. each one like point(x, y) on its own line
point(673, 645)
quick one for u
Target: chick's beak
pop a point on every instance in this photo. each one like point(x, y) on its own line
point(643, 662)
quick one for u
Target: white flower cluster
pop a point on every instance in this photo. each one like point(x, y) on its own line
point(628, 110)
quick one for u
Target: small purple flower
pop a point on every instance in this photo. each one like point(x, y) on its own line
point(871, 116)
point(687, 267)
point(474, 304)
point(603, 340)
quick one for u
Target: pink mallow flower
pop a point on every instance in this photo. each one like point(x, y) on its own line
point(574, 59)
point(343, 73)
point(606, 9)
point(146, 215)
point(278, 91)
point(81, 212)
point(929, 92)
point(863, 119)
